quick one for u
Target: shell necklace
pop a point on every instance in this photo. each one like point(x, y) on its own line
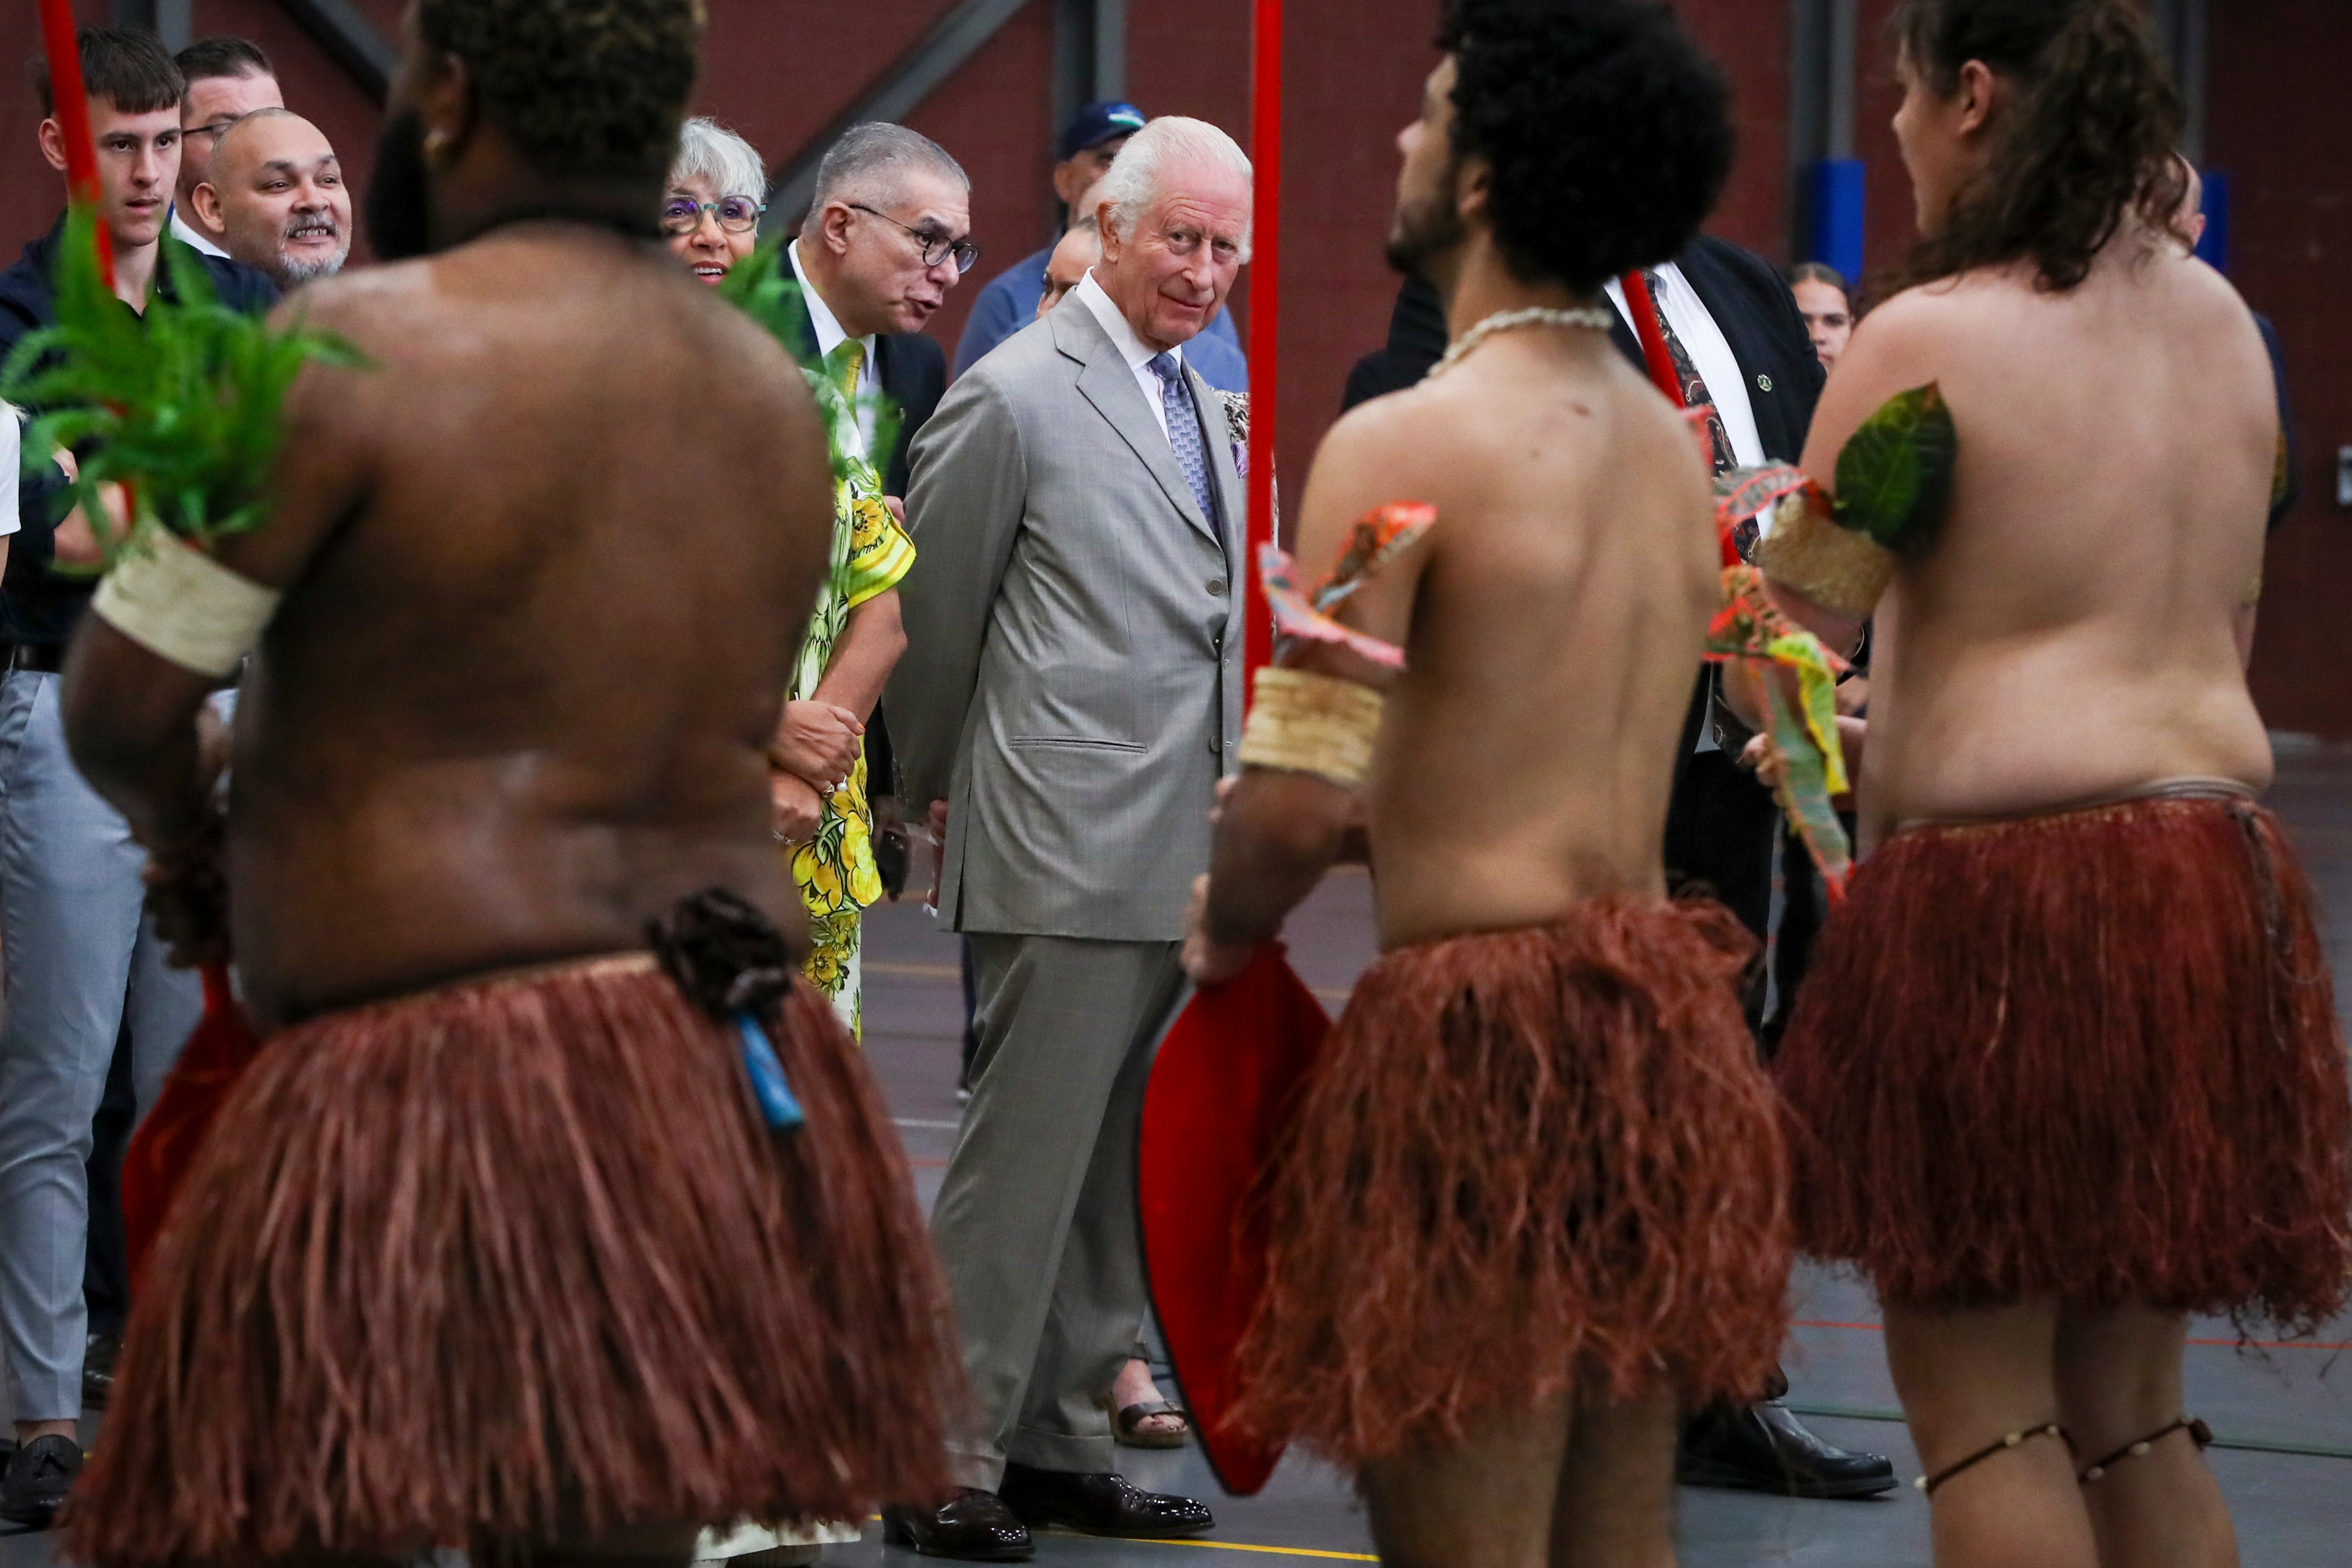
point(1592, 319)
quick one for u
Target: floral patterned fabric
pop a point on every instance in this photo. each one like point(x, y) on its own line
point(835, 871)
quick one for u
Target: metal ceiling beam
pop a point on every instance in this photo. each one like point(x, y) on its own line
point(2180, 32)
point(351, 40)
point(954, 39)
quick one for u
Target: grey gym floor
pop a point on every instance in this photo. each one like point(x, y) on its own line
point(2282, 1415)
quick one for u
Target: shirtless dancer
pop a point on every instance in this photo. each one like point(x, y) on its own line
point(2067, 1055)
point(1534, 1205)
point(492, 1245)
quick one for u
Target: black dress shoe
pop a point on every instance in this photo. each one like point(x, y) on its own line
point(1762, 1447)
point(974, 1526)
point(39, 1475)
point(1102, 1503)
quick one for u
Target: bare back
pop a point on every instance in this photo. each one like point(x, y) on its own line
point(2070, 636)
point(548, 561)
point(1551, 629)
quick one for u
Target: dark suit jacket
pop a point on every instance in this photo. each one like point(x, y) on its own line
point(1721, 823)
point(914, 372)
point(1758, 314)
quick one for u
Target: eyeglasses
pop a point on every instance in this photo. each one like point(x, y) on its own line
point(937, 248)
point(736, 214)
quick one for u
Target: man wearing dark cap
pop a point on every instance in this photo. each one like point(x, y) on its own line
point(1009, 302)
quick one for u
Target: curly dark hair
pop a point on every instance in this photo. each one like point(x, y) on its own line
point(1609, 134)
point(580, 87)
point(2092, 141)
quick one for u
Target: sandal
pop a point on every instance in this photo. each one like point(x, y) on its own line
point(1127, 1424)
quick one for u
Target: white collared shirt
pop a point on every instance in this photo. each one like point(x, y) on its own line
point(188, 233)
point(831, 334)
point(1710, 354)
point(1137, 353)
point(12, 433)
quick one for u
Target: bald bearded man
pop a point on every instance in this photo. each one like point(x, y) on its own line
point(275, 195)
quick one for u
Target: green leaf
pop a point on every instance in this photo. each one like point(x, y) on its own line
point(1894, 475)
point(185, 407)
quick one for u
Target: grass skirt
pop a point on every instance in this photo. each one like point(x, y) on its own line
point(1529, 1161)
point(519, 1259)
point(2090, 1056)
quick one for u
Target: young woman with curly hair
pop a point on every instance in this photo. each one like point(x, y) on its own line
point(2066, 1068)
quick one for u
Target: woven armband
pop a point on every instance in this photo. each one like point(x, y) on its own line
point(179, 604)
point(1833, 566)
point(1305, 723)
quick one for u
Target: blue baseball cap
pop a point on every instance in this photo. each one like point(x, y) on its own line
point(1095, 124)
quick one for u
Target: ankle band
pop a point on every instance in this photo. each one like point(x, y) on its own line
point(2138, 1449)
point(2008, 1440)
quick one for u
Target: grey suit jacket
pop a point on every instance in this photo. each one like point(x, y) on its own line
point(1072, 684)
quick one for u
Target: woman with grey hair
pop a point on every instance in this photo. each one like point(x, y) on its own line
point(711, 210)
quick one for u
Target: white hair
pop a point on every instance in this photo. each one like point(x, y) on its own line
point(1170, 144)
point(707, 150)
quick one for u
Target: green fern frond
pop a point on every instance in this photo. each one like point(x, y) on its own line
point(187, 410)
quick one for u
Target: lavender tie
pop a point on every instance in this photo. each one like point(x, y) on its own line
point(1184, 430)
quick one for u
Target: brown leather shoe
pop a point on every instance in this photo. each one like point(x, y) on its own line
point(972, 1526)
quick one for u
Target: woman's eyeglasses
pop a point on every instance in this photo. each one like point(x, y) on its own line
point(937, 248)
point(736, 214)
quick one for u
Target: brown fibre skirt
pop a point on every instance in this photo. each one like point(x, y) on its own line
point(1529, 1163)
point(2090, 1056)
point(519, 1259)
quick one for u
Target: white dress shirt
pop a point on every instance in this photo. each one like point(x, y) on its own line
point(188, 233)
point(1710, 354)
point(1137, 353)
point(831, 334)
point(12, 437)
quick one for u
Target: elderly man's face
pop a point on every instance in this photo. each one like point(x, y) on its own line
point(881, 240)
point(277, 198)
point(212, 104)
point(1170, 269)
point(1066, 267)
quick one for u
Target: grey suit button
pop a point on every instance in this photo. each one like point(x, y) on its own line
point(1214, 749)
point(1216, 585)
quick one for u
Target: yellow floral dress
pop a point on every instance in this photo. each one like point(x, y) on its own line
point(835, 871)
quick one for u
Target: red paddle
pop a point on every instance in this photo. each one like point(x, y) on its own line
point(173, 1128)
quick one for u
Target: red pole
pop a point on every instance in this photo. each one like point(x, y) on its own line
point(1644, 311)
point(72, 100)
point(1265, 226)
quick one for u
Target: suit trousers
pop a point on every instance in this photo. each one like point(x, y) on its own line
point(81, 964)
point(1035, 1221)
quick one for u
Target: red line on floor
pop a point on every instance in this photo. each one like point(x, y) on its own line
point(2251, 1345)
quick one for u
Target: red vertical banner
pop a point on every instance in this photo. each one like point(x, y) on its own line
point(72, 100)
point(1264, 319)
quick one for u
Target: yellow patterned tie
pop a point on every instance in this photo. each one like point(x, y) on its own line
point(850, 358)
